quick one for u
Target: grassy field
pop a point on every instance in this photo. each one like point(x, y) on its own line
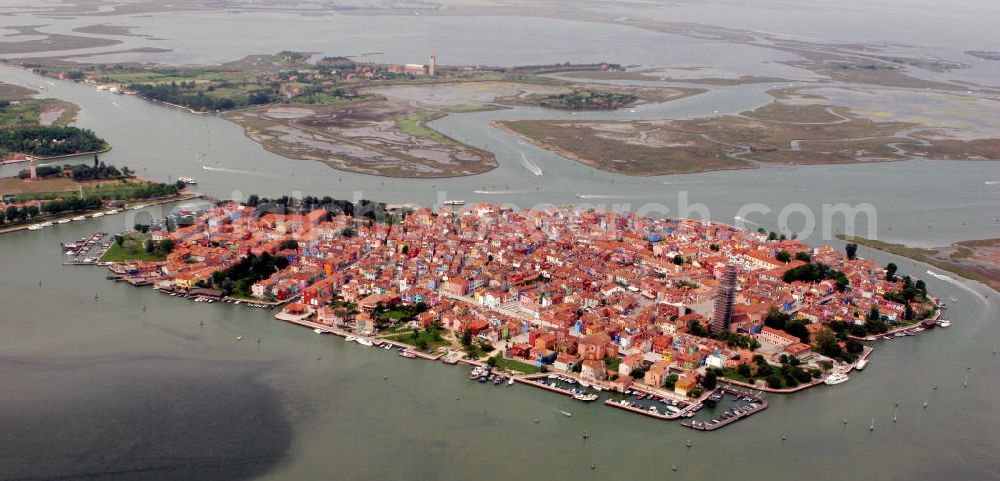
point(415, 125)
point(38, 189)
point(33, 111)
point(424, 340)
point(132, 249)
point(512, 365)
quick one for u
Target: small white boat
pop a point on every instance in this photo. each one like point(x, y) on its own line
point(79, 218)
point(510, 382)
point(454, 202)
point(319, 331)
point(365, 341)
point(35, 227)
point(99, 214)
point(112, 212)
point(350, 339)
point(836, 378)
point(944, 323)
point(63, 221)
point(46, 224)
point(187, 180)
point(239, 338)
point(567, 414)
point(861, 364)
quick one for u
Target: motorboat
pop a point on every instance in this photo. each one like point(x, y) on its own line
point(835, 378)
point(454, 202)
point(861, 364)
point(944, 323)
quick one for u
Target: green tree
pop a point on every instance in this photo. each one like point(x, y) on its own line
point(890, 272)
point(709, 380)
point(783, 256)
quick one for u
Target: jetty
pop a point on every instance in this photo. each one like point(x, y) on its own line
point(757, 404)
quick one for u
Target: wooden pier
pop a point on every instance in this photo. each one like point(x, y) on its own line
point(704, 426)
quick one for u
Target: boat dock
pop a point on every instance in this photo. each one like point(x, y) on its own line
point(536, 381)
point(757, 405)
point(645, 412)
point(88, 250)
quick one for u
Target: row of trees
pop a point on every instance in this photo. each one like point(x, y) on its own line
point(80, 172)
point(15, 214)
point(187, 95)
point(43, 141)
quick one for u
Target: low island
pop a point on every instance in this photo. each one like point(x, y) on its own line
point(355, 116)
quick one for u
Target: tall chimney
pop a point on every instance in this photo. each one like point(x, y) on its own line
point(31, 168)
point(432, 66)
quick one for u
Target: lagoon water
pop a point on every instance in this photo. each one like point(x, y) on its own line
point(97, 387)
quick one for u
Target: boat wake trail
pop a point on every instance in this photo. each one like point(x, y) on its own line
point(955, 282)
point(235, 171)
point(603, 196)
point(992, 182)
point(682, 183)
point(500, 192)
point(535, 169)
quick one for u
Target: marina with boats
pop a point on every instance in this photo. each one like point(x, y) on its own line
point(743, 404)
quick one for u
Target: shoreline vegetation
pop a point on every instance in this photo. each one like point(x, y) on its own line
point(341, 112)
point(71, 190)
point(40, 128)
point(977, 260)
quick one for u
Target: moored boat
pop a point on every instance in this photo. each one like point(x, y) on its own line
point(835, 378)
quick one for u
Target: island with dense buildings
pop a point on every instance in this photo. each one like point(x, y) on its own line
point(611, 299)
